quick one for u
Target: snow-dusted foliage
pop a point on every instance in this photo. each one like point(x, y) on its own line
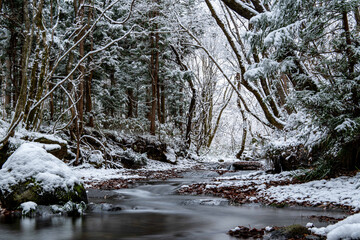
point(313, 48)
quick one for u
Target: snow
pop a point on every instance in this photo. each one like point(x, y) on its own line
point(235, 229)
point(246, 6)
point(36, 135)
point(309, 225)
point(27, 207)
point(268, 229)
point(347, 231)
point(347, 125)
point(48, 147)
point(254, 73)
point(338, 191)
point(89, 173)
point(170, 155)
point(349, 228)
point(96, 157)
point(32, 161)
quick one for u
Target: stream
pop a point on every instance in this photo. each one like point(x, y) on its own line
point(152, 210)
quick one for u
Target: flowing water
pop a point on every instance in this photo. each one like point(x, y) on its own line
point(151, 210)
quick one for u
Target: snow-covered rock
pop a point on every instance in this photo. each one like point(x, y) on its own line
point(54, 145)
point(33, 174)
point(170, 155)
point(96, 158)
point(28, 207)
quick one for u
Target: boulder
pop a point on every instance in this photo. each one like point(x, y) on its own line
point(154, 150)
point(246, 165)
point(32, 174)
point(132, 160)
point(289, 158)
point(56, 147)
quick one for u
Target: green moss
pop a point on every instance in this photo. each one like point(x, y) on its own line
point(295, 231)
point(278, 205)
point(30, 190)
point(78, 194)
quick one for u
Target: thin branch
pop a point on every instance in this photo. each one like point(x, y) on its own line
point(77, 65)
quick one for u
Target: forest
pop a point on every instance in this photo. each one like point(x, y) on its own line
point(126, 90)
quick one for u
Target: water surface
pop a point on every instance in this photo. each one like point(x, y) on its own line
point(152, 211)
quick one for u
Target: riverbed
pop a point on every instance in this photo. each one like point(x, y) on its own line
point(153, 210)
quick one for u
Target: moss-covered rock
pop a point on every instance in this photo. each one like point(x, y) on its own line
point(31, 190)
point(295, 231)
point(32, 174)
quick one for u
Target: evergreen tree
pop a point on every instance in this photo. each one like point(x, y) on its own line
point(316, 45)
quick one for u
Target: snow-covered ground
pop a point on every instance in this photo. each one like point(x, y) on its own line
point(343, 190)
point(254, 180)
point(338, 191)
point(349, 228)
point(89, 173)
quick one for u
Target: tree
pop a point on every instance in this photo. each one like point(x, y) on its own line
point(36, 46)
point(313, 45)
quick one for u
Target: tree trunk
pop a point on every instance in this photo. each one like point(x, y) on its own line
point(154, 72)
point(240, 8)
point(36, 81)
point(357, 18)
point(88, 105)
point(153, 93)
point(7, 90)
point(192, 104)
point(20, 104)
point(70, 89)
point(162, 105)
point(51, 103)
point(21, 101)
point(112, 85)
point(14, 75)
point(81, 92)
point(130, 95)
point(244, 133)
point(349, 54)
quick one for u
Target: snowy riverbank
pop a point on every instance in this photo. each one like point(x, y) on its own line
point(283, 189)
